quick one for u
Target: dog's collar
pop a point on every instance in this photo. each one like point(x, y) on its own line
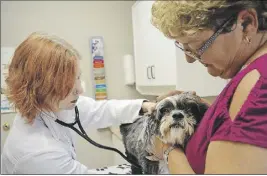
point(166, 153)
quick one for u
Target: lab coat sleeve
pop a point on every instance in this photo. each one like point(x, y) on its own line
point(106, 113)
point(50, 162)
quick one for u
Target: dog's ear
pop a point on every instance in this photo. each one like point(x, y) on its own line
point(154, 114)
point(194, 106)
point(203, 107)
point(124, 128)
point(198, 107)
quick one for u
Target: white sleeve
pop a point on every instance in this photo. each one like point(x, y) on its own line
point(105, 113)
point(50, 162)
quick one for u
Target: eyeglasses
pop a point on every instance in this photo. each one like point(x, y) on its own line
point(206, 45)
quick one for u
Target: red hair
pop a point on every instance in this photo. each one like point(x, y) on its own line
point(42, 72)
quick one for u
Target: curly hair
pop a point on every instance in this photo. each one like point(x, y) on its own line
point(180, 18)
point(41, 73)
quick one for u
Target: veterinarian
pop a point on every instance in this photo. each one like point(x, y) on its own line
point(230, 39)
point(44, 84)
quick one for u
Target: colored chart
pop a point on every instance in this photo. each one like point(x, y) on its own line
point(97, 49)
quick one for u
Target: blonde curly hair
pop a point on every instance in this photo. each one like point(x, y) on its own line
point(186, 17)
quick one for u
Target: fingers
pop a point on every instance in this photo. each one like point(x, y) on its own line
point(206, 101)
point(171, 93)
point(193, 92)
point(148, 107)
point(151, 109)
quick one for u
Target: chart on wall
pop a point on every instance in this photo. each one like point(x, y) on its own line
point(6, 56)
point(97, 50)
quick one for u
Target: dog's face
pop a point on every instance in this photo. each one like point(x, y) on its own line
point(178, 117)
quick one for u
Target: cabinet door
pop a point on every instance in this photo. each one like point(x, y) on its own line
point(154, 53)
point(141, 53)
point(163, 59)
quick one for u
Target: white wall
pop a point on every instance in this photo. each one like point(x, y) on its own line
point(77, 21)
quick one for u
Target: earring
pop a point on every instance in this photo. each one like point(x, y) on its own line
point(248, 40)
point(75, 92)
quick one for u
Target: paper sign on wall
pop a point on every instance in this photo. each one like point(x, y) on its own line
point(6, 56)
point(97, 50)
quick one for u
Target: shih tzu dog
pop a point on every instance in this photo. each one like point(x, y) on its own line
point(174, 121)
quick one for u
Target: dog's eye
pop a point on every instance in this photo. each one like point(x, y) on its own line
point(164, 110)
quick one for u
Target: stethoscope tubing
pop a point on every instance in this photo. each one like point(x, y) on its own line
point(83, 134)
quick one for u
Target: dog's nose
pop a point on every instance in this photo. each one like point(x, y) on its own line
point(177, 116)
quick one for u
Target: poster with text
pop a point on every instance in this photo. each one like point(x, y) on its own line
point(6, 56)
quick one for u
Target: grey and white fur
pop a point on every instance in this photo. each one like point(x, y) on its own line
point(174, 121)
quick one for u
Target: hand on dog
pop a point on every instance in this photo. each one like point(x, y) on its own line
point(175, 92)
point(171, 93)
point(158, 150)
point(148, 107)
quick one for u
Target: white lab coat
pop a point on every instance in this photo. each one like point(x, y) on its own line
point(45, 147)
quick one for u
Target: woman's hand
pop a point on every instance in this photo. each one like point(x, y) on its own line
point(171, 93)
point(148, 107)
point(159, 148)
point(177, 161)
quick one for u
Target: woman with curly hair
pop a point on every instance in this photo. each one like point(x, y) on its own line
point(229, 38)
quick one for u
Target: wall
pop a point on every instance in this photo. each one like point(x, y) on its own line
point(77, 21)
point(210, 99)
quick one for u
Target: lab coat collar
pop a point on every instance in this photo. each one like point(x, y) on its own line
point(59, 132)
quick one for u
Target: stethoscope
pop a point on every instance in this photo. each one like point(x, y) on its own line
point(83, 134)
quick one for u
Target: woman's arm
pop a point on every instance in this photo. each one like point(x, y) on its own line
point(223, 157)
point(178, 163)
point(105, 113)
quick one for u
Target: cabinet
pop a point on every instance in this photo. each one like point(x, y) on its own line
point(160, 66)
point(154, 66)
